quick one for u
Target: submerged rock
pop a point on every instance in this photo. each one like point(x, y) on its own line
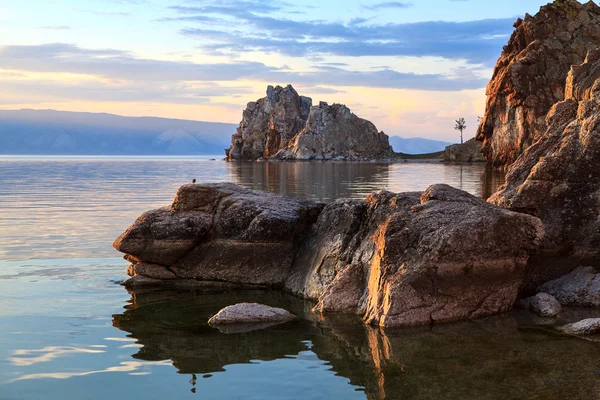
point(250, 313)
point(542, 304)
point(396, 259)
point(284, 126)
point(579, 288)
point(585, 327)
point(557, 178)
point(530, 76)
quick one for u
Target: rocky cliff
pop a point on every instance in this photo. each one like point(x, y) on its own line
point(283, 125)
point(396, 259)
point(529, 78)
point(557, 177)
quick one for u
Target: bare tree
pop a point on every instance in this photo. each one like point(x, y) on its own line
point(461, 125)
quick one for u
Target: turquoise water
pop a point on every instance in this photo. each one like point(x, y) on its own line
point(69, 331)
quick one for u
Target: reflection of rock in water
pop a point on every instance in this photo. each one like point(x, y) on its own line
point(323, 181)
point(493, 358)
point(491, 180)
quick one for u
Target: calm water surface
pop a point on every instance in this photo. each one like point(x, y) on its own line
point(68, 331)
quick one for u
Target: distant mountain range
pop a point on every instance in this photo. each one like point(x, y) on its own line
point(417, 145)
point(49, 132)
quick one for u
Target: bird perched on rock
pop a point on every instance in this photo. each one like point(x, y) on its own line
point(193, 180)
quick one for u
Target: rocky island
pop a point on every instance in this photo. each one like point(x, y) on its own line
point(401, 259)
point(286, 126)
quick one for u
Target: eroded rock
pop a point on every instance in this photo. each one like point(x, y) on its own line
point(529, 78)
point(284, 126)
point(557, 179)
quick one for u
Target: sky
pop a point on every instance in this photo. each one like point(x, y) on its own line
point(411, 67)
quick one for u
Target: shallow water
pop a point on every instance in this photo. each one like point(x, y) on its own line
point(68, 331)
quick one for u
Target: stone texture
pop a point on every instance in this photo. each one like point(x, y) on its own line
point(334, 132)
point(529, 78)
point(396, 259)
point(543, 304)
point(470, 151)
point(557, 177)
point(579, 288)
point(218, 233)
point(268, 124)
point(250, 313)
point(284, 126)
point(585, 327)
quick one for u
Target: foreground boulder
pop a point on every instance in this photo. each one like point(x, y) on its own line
point(285, 126)
point(396, 259)
point(530, 76)
point(557, 178)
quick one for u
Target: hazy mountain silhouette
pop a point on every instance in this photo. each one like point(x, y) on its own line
point(416, 145)
point(74, 133)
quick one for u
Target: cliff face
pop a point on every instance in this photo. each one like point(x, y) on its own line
point(529, 78)
point(557, 178)
point(269, 123)
point(283, 125)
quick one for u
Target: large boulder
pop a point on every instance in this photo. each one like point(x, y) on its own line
point(557, 179)
point(269, 123)
point(217, 233)
point(413, 259)
point(529, 78)
point(396, 259)
point(334, 132)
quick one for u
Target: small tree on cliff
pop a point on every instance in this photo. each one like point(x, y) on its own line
point(461, 125)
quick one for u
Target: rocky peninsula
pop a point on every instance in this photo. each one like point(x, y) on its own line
point(402, 259)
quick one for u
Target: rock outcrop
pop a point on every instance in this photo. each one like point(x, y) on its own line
point(557, 179)
point(529, 78)
point(285, 126)
point(469, 151)
point(396, 259)
point(268, 124)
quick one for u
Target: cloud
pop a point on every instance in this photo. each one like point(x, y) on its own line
point(388, 4)
point(56, 28)
point(118, 64)
point(477, 41)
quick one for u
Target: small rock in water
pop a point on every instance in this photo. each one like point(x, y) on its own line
point(544, 305)
point(250, 313)
point(585, 327)
point(579, 288)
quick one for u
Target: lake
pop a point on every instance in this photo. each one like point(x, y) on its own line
point(69, 331)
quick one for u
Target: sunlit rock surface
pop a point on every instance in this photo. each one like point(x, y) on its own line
point(395, 259)
point(557, 179)
point(530, 76)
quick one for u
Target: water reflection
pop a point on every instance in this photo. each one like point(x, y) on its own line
point(503, 357)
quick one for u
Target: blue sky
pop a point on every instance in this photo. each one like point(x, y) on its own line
point(410, 67)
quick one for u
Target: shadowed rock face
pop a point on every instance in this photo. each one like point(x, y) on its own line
point(283, 125)
point(557, 178)
point(396, 259)
point(530, 76)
